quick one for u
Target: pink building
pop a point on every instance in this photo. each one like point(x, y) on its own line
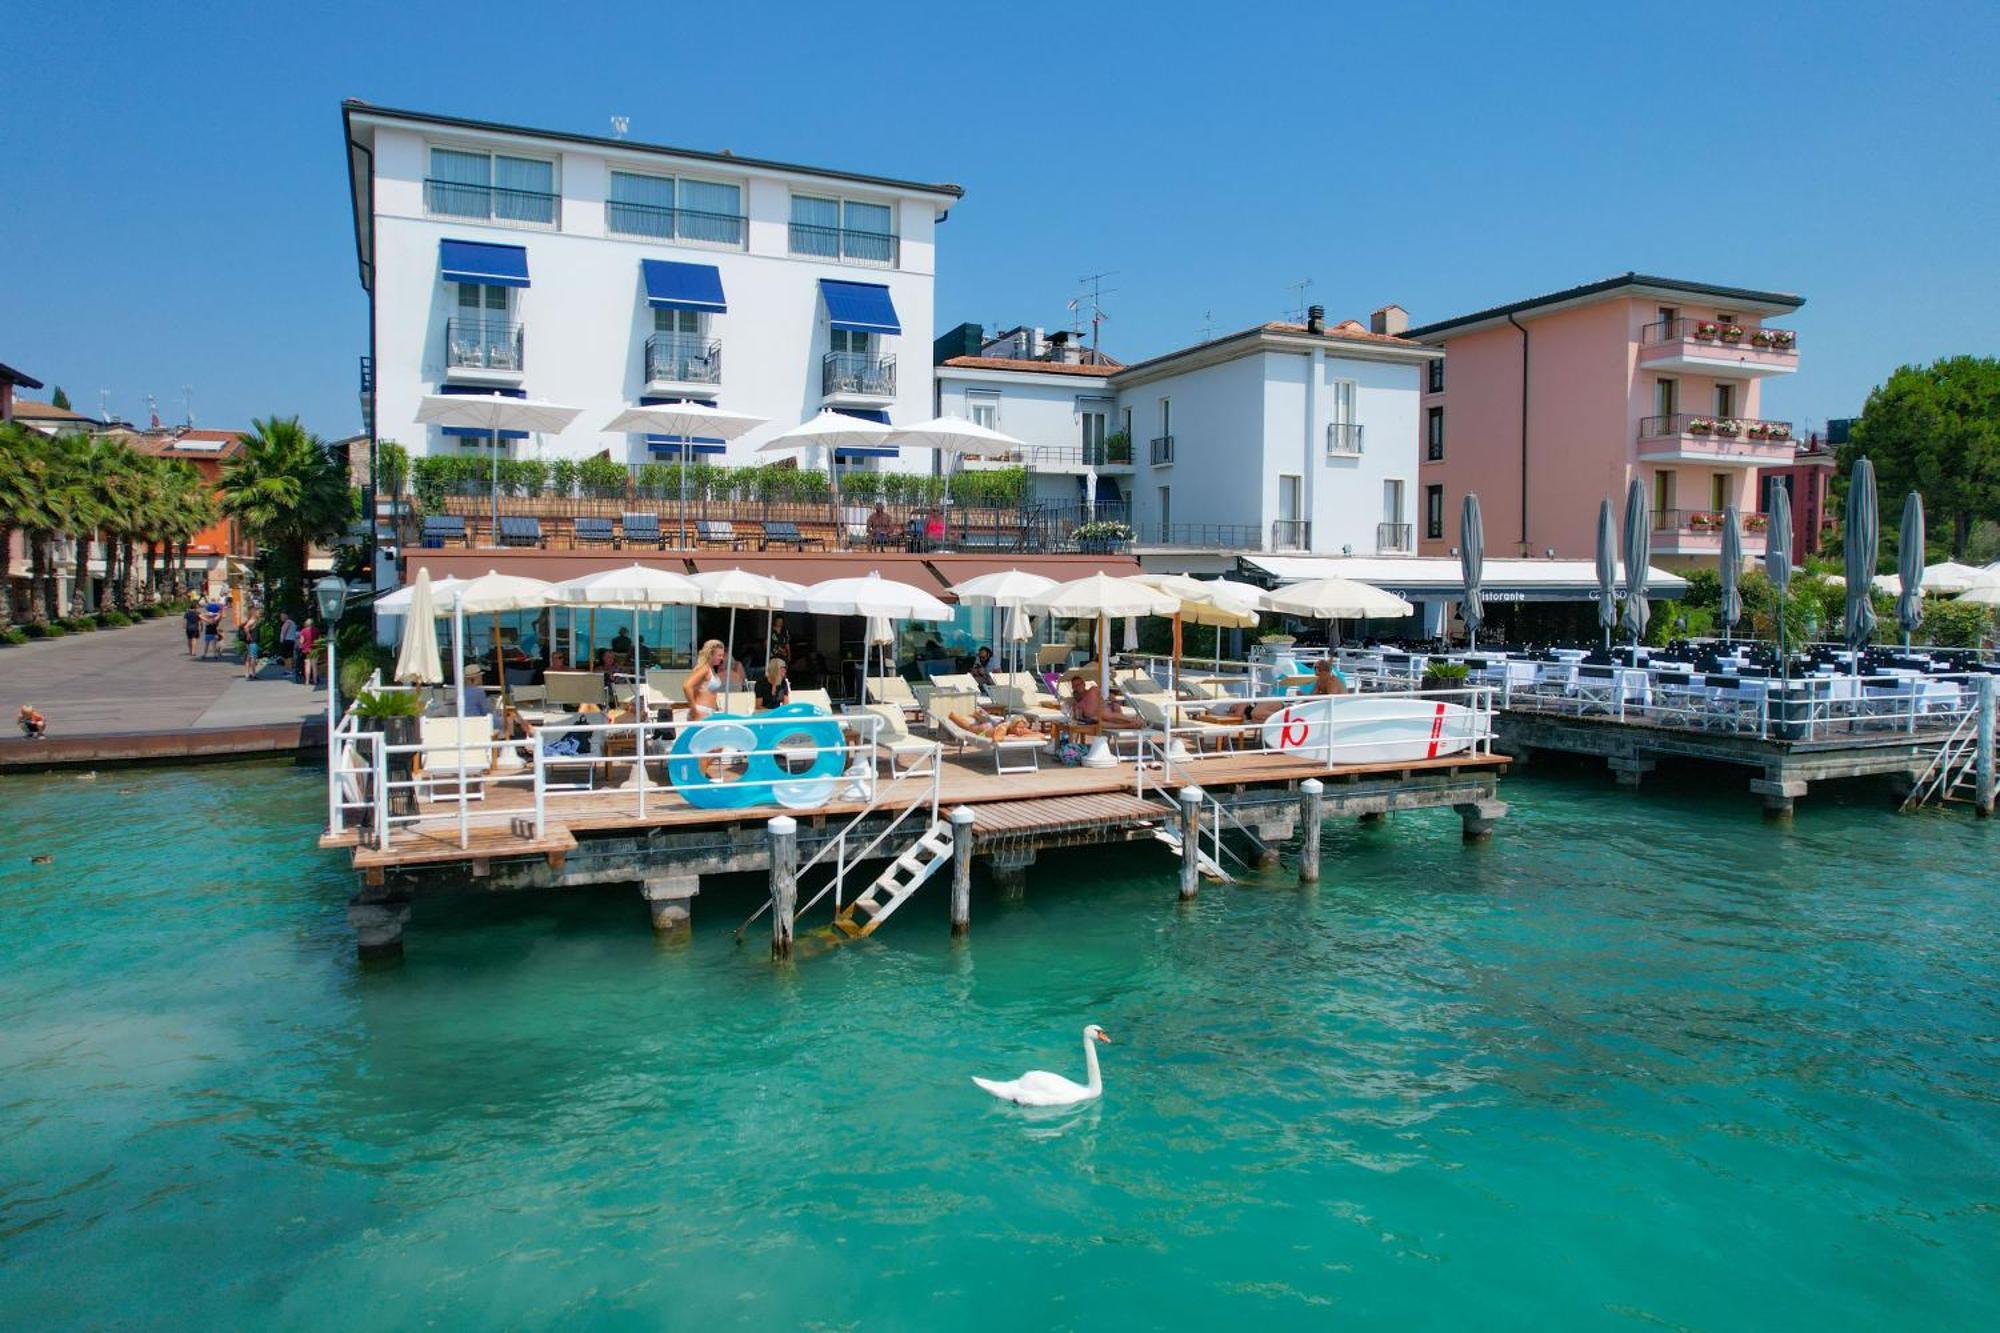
point(1549, 405)
point(1807, 479)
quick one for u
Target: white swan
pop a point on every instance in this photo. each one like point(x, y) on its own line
point(1038, 1087)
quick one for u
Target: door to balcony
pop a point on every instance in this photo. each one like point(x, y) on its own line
point(482, 342)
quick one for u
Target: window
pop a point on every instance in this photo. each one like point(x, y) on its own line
point(1288, 498)
point(1090, 431)
point(850, 341)
point(844, 229)
point(480, 335)
point(1166, 416)
point(674, 209)
point(1434, 435)
point(1434, 512)
point(1718, 491)
point(492, 186)
point(1343, 402)
point(1725, 400)
point(1663, 493)
point(983, 409)
point(1166, 510)
point(1163, 443)
point(1666, 397)
point(1436, 382)
point(1392, 502)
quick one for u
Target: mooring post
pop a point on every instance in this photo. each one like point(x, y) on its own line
point(784, 883)
point(961, 870)
point(1312, 803)
point(1191, 799)
point(1982, 763)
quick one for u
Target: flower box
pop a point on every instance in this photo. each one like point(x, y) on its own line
point(1759, 431)
point(1778, 430)
point(1702, 521)
point(1784, 339)
point(1728, 428)
point(1732, 333)
point(1756, 523)
point(1701, 426)
point(1707, 331)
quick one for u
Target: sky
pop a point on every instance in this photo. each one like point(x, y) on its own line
point(178, 214)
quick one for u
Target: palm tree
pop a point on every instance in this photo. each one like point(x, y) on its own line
point(68, 503)
point(289, 492)
point(20, 502)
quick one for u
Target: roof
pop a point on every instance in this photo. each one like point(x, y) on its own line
point(1349, 333)
point(18, 377)
point(1026, 367)
point(1635, 282)
point(1345, 331)
point(211, 444)
point(1428, 578)
point(29, 409)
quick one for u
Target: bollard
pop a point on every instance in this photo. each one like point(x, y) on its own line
point(1982, 763)
point(1312, 804)
point(961, 871)
point(1191, 799)
point(784, 883)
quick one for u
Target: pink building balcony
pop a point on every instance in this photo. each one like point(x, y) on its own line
point(1699, 532)
point(1706, 347)
point(1696, 437)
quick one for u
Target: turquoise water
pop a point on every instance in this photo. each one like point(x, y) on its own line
point(1637, 1061)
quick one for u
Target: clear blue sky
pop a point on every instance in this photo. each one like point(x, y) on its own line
point(177, 211)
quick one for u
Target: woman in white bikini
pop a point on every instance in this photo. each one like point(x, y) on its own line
point(710, 678)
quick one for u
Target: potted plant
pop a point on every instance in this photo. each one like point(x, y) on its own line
point(1703, 521)
point(1700, 426)
point(1758, 430)
point(1446, 675)
point(1756, 523)
point(1728, 427)
point(1784, 339)
point(396, 715)
point(1732, 333)
point(1779, 430)
point(1707, 330)
point(1102, 536)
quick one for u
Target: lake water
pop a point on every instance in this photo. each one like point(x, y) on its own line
point(1639, 1060)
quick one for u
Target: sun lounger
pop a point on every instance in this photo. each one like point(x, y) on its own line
point(1161, 714)
point(892, 737)
point(943, 703)
point(570, 688)
point(642, 530)
point(516, 530)
point(593, 532)
point(819, 698)
point(956, 682)
point(1008, 755)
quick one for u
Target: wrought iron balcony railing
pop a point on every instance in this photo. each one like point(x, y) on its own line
point(684, 358)
point(451, 199)
point(858, 373)
point(484, 344)
point(674, 224)
point(846, 244)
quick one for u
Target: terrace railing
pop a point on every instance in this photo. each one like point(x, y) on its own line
point(682, 224)
point(453, 199)
point(1291, 534)
point(1719, 333)
point(1343, 439)
point(845, 243)
point(1709, 425)
point(684, 358)
point(1206, 536)
point(484, 344)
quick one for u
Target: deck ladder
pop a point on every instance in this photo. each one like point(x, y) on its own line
point(1952, 771)
point(893, 887)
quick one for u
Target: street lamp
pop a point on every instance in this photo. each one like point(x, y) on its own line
point(332, 594)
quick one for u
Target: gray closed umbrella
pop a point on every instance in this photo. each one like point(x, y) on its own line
point(1732, 570)
point(1471, 561)
point(1778, 560)
point(1638, 550)
point(1910, 566)
point(1863, 538)
point(1607, 571)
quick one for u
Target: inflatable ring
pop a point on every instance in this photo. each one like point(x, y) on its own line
point(765, 778)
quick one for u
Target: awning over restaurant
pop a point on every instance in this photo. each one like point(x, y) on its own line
point(859, 307)
point(675, 286)
point(1439, 578)
point(479, 262)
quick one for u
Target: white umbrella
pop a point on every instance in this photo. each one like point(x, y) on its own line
point(636, 586)
point(1006, 587)
point(417, 656)
point(1213, 602)
point(873, 595)
point(444, 593)
point(740, 590)
point(1982, 594)
point(1335, 599)
point(495, 411)
point(689, 421)
point(956, 435)
point(1100, 597)
point(831, 430)
point(1948, 576)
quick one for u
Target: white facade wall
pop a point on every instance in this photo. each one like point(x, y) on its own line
point(1044, 412)
point(1217, 421)
point(585, 319)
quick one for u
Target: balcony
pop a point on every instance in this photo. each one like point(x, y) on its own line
point(847, 246)
point(855, 379)
point(1699, 532)
point(1696, 437)
point(1162, 451)
point(683, 363)
point(1068, 459)
point(674, 224)
point(1705, 347)
point(1343, 439)
point(483, 351)
point(1201, 536)
point(1395, 538)
point(1291, 534)
point(490, 203)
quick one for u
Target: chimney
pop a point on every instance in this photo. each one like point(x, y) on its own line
point(1390, 319)
point(1315, 319)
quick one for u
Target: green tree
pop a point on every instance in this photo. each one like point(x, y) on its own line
point(59, 399)
point(1936, 429)
point(289, 491)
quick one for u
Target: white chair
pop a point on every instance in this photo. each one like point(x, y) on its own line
point(460, 758)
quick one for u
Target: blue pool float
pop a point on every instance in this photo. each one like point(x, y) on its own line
point(764, 778)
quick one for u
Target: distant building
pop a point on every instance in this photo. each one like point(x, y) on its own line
point(207, 451)
point(1546, 406)
point(11, 379)
point(1048, 392)
point(1807, 479)
point(50, 419)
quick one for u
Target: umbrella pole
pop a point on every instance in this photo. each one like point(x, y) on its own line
point(729, 653)
point(458, 688)
point(499, 663)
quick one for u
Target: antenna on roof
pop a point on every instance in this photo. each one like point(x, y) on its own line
point(1207, 325)
point(153, 410)
point(1297, 313)
point(620, 125)
point(187, 405)
point(1093, 297)
point(104, 405)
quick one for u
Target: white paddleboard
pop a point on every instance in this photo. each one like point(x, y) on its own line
point(1371, 729)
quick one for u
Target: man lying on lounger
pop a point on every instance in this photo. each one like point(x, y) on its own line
point(1326, 680)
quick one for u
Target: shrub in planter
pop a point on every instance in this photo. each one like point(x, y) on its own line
point(1756, 523)
point(601, 477)
point(1758, 430)
point(1446, 675)
point(1732, 333)
point(1778, 430)
point(1760, 339)
point(1102, 536)
point(1784, 339)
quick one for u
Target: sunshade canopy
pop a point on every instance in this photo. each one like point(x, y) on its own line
point(831, 430)
point(641, 587)
point(1203, 602)
point(956, 435)
point(1006, 587)
point(1948, 576)
point(483, 263)
point(684, 419)
point(494, 411)
point(872, 595)
point(676, 286)
point(444, 593)
point(494, 591)
point(741, 590)
point(1336, 599)
point(1101, 595)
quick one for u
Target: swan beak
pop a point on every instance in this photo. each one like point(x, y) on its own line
point(1106, 1040)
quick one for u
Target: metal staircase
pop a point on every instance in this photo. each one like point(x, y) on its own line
point(1209, 867)
point(1951, 773)
point(893, 887)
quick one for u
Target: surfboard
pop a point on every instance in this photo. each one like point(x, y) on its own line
point(1371, 729)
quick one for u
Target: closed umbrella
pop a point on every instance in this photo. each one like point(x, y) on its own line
point(1607, 571)
point(689, 421)
point(417, 656)
point(1471, 562)
point(1732, 570)
point(1862, 536)
point(1638, 550)
point(1910, 565)
point(1778, 562)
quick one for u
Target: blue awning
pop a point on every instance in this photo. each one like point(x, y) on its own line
point(855, 451)
point(484, 391)
point(672, 286)
point(476, 261)
point(672, 446)
point(859, 307)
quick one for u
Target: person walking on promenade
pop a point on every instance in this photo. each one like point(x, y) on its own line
point(308, 640)
point(191, 621)
point(246, 639)
point(211, 630)
point(288, 645)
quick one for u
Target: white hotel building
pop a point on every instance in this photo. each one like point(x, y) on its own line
point(603, 273)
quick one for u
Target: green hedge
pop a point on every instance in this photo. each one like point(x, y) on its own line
point(435, 478)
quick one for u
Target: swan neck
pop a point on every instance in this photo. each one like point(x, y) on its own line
point(1096, 1080)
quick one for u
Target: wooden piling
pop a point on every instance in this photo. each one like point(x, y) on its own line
point(961, 870)
point(1312, 804)
point(1982, 763)
point(784, 883)
point(1191, 798)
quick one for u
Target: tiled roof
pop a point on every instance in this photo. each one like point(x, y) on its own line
point(1346, 329)
point(211, 444)
point(1030, 367)
point(28, 409)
